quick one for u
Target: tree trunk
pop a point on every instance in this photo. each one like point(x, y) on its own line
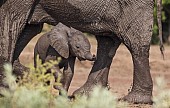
point(159, 20)
point(168, 31)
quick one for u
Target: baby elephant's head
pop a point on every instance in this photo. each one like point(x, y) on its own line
point(80, 45)
point(70, 42)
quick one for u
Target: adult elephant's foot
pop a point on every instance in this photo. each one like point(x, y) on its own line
point(86, 89)
point(3, 60)
point(100, 78)
point(137, 98)
point(99, 74)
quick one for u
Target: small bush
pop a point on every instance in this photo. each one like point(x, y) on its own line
point(162, 98)
point(32, 92)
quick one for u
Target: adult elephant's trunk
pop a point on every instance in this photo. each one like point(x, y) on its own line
point(159, 17)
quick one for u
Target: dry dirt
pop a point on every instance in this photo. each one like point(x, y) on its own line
point(120, 77)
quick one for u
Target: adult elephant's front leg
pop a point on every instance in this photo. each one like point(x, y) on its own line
point(142, 82)
point(137, 39)
point(99, 74)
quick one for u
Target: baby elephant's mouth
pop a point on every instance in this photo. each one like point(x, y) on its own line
point(89, 57)
point(82, 59)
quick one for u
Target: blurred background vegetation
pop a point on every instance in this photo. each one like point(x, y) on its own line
point(165, 24)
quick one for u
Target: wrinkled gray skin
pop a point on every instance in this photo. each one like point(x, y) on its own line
point(67, 43)
point(112, 21)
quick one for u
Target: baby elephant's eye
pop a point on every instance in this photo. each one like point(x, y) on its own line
point(77, 46)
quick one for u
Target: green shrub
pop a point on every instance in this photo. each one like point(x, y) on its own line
point(99, 98)
point(162, 98)
point(32, 92)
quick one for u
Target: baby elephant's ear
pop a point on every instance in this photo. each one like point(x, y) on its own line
point(59, 41)
point(73, 32)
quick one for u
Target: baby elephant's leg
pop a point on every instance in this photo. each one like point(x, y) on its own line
point(58, 76)
point(68, 73)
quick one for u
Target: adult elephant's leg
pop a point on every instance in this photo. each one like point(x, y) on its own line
point(99, 74)
point(12, 22)
point(138, 42)
point(28, 33)
point(142, 82)
point(13, 19)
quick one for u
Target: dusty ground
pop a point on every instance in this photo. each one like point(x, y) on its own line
point(120, 77)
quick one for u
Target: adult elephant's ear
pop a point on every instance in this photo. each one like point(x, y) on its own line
point(59, 41)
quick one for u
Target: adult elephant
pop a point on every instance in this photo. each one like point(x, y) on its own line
point(112, 21)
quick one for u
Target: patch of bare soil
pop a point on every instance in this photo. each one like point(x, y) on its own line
point(121, 71)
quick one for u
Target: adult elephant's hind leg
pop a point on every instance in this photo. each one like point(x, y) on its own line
point(30, 31)
point(27, 34)
point(99, 74)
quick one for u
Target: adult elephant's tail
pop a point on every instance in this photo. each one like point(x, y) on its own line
point(159, 17)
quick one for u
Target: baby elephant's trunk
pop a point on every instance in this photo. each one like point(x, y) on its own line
point(90, 57)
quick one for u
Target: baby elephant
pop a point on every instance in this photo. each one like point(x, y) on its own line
point(67, 43)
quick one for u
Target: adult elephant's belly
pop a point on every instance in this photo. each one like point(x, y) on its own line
point(89, 16)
